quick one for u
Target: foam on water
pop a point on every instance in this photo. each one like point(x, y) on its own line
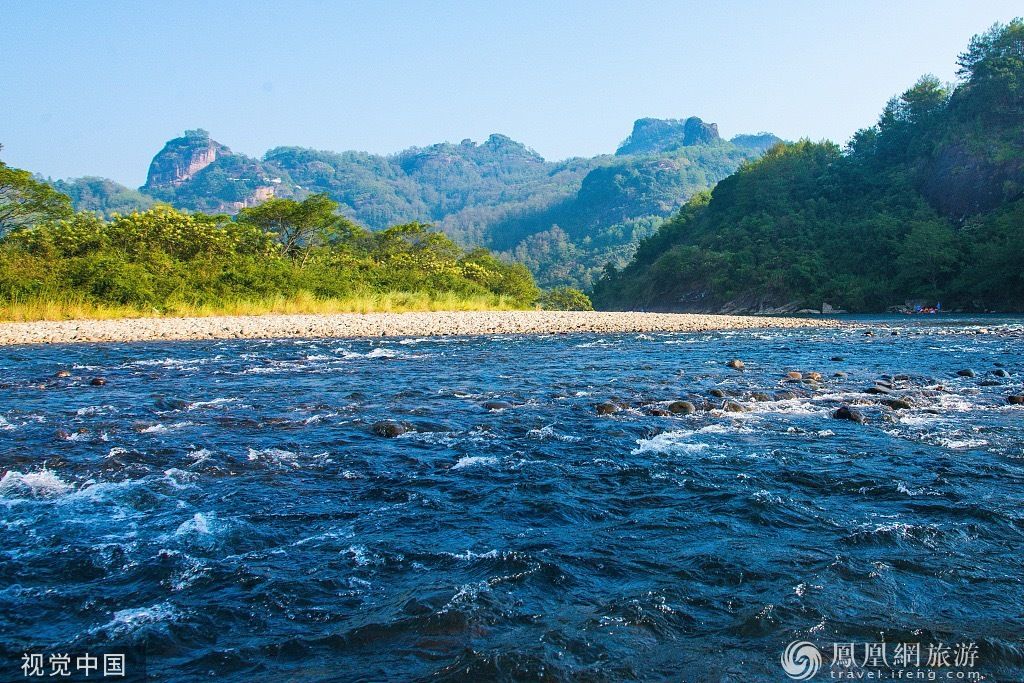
point(43, 483)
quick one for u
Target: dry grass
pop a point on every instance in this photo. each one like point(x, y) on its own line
point(381, 302)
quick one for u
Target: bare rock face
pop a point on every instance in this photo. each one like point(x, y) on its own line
point(182, 158)
point(660, 135)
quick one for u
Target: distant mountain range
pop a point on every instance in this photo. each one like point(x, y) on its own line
point(564, 219)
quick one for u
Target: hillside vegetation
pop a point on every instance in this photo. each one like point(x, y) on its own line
point(925, 206)
point(280, 256)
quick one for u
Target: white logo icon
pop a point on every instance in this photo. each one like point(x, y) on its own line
point(801, 660)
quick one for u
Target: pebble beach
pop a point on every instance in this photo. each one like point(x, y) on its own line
point(425, 324)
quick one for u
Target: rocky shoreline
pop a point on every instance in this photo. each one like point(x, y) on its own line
point(419, 324)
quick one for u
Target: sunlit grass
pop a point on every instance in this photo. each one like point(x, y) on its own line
point(42, 308)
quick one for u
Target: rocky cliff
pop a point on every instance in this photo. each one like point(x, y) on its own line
point(652, 136)
point(182, 158)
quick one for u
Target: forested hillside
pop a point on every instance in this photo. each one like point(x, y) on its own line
point(925, 206)
point(564, 219)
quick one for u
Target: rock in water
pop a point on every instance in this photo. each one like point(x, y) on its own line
point(497, 405)
point(682, 407)
point(966, 372)
point(390, 428)
point(733, 407)
point(1000, 373)
point(606, 408)
point(1015, 400)
point(848, 413)
point(736, 364)
point(897, 403)
point(794, 374)
point(97, 381)
point(717, 393)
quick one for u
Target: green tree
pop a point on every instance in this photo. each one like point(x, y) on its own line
point(299, 226)
point(25, 201)
point(565, 299)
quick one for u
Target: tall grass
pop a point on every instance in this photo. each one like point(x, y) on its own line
point(73, 308)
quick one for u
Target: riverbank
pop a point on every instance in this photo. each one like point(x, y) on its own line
point(417, 324)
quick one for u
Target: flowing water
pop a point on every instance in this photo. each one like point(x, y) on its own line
point(229, 507)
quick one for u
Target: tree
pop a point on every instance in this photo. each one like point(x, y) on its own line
point(25, 201)
point(565, 299)
point(299, 226)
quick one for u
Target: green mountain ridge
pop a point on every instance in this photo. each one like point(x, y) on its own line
point(565, 219)
point(925, 206)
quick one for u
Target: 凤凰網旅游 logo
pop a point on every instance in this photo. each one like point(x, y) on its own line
point(801, 660)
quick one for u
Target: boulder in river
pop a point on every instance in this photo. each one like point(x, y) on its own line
point(733, 407)
point(682, 408)
point(837, 359)
point(1015, 400)
point(966, 372)
point(794, 374)
point(999, 372)
point(736, 364)
point(848, 413)
point(62, 373)
point(879, 389)
point(717, 393)
point(497, 405)
point(97, 381)
point(607, 408)
point(897, 403)
point(390, 428)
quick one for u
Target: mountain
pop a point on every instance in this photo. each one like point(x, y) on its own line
point(565, 219)
point(925, 206)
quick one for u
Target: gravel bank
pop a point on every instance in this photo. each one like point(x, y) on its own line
point(381, 325)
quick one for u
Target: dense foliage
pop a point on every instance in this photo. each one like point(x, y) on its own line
point(925, 206)
point(565, 299)
point(564, 219)
point(161, 259)
point(24, 200)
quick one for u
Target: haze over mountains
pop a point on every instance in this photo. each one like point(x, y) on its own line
point(564, 219)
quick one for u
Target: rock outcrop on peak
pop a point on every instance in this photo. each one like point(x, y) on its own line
point(651, 136)
point(182, 158)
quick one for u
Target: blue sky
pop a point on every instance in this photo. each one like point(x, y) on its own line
point(95, 88)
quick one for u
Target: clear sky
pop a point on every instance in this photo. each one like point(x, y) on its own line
point(96, 88)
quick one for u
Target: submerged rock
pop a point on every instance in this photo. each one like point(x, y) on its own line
point(793, 374)
point(966, 372)
point(1000, 373)
point(607, 408)
point(736, 364)
point(497, 405)
point(97, 381)
point(733, 407)
point(62, 373)
point(717, 393)
point(848, 413)
point(1015, 400)
point(390, 428)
